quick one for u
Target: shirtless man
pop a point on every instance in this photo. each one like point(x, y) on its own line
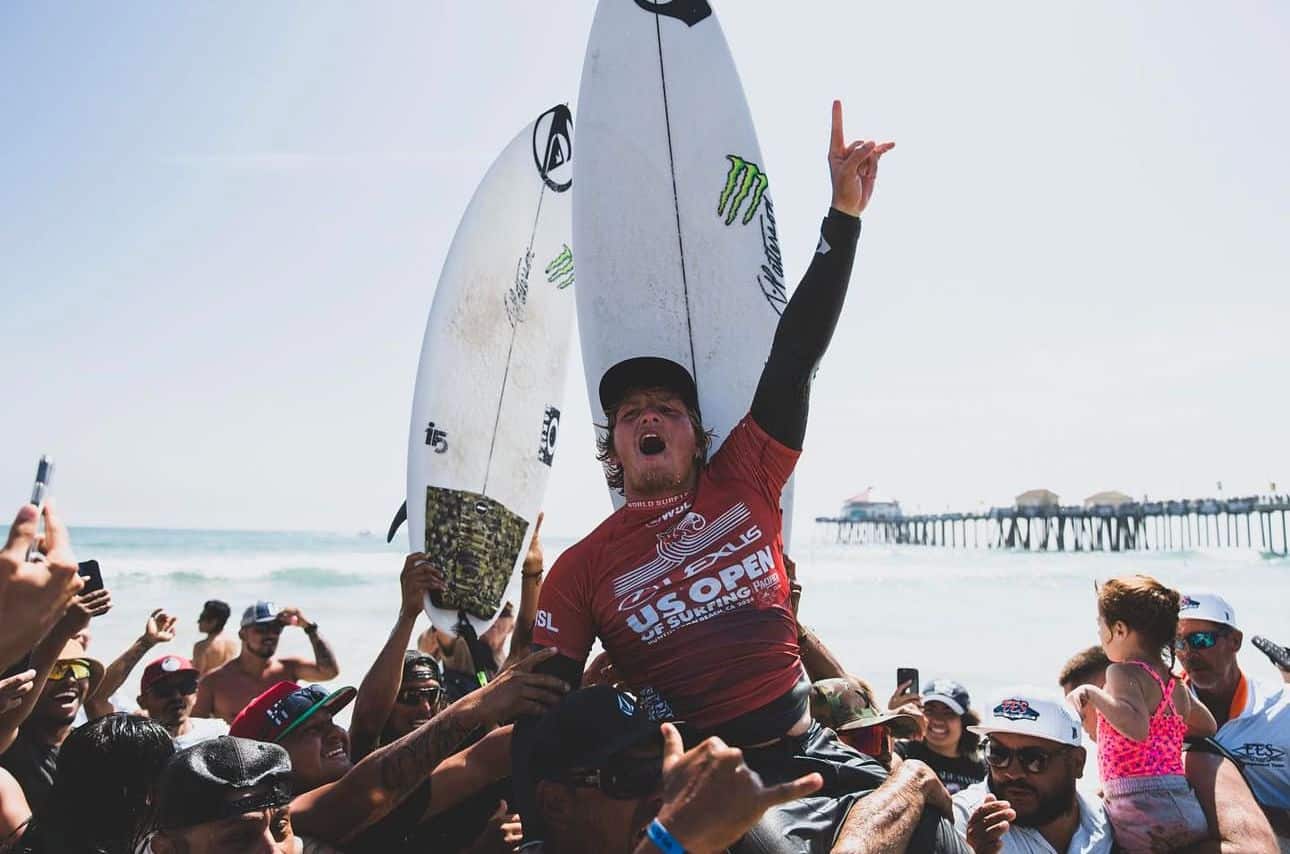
point(217, 648)
point(224, 691)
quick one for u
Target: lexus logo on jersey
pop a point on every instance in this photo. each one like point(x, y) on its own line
point(550, 429)
point(553, 147)
point(689, 11)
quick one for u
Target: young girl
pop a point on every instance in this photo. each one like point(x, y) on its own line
point(1143, 714)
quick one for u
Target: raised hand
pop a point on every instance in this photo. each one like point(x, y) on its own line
point(519, 691)
point(418, 578)
point(34, 594)
point(81, 610)
point(14, 689)
point(987, 825)
point(711, 798)
point(293, 617)
point(853, 167)
point(160, 628)
point(533, 557)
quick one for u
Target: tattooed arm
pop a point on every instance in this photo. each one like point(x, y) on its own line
point(339, 811)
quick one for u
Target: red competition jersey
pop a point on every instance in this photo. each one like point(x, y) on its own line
point(688, 594)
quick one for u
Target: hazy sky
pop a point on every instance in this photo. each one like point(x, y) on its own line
point(221, 225)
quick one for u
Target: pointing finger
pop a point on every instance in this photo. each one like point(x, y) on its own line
point(673, 746)
point(836, 139)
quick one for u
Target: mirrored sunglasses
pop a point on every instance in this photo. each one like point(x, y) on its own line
point(75, 668)
point(1199, 640)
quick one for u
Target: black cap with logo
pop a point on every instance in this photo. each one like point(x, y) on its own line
point(647, 372)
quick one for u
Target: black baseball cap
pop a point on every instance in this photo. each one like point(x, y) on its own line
point(415, 659)
point(222, 778)
point(586, 728)
point(647, 372)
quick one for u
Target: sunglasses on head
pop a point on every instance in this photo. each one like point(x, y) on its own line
point(416, 696)
point(1200, 640)
point(1034, 760)
point(75, 668)
point(174, 687)
point(623, 779)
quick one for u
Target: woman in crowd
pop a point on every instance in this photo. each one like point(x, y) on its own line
point(947, 746)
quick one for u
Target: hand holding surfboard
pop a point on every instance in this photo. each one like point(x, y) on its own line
point(853, 167)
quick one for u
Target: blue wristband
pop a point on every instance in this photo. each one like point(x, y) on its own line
point(663, 840)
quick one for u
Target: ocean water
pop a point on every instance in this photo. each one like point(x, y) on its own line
point(987, 618)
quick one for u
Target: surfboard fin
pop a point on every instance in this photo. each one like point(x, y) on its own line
point(399, 518)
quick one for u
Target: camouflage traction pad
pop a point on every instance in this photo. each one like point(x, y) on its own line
point(474, 540)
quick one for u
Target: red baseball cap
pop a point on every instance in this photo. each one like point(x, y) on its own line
point(167, 665)
point(284, 707)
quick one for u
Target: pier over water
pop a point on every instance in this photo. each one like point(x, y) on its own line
point(1040, 525)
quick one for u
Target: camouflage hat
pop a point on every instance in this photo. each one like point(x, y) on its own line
point(839, 705)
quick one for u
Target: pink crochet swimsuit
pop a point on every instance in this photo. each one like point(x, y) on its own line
point(1119, 756)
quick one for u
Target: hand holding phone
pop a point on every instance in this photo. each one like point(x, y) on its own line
point(89, 570)
point(910, 675)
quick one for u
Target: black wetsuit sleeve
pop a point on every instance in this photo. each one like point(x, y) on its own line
point(783, 394)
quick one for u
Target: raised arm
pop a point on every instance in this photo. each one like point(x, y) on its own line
point(339, 811)
point(380, 687)
point(782, 399)
point(530, 588)
point(45, 656)
point(34, 594)
point(323, 667)
point(1122, 702)
point(159, 628)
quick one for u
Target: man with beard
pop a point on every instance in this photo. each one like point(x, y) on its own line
point(167, 693)
point(1029, 804)
point(1253, 718)
point(227, 689)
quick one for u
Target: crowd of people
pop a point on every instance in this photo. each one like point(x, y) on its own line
point(712, 721)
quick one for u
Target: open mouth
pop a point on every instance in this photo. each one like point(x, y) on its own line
point(651, 444)
point(336, 752)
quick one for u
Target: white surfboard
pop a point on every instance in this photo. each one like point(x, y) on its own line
point(678, 254)
point(486, 412)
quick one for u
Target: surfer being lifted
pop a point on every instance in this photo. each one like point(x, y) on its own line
point(685, 584)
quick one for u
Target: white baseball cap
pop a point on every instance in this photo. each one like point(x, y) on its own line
point(1207, 606)
point(1032, 711)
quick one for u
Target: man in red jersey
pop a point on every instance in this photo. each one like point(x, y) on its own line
point(685, 585)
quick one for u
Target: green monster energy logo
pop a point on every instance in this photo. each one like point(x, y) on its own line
point(560, 271)
point(743, 178)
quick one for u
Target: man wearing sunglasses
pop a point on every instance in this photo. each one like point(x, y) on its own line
point(167, 692)
point(1253, 718)
point(49, 719)
point(1029, 803)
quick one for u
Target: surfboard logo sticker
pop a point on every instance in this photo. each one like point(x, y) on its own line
point(550, 432)
point(553, 147)
point(689, 11)
point(745, 182)
point(560, 271)
point(436, 438)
